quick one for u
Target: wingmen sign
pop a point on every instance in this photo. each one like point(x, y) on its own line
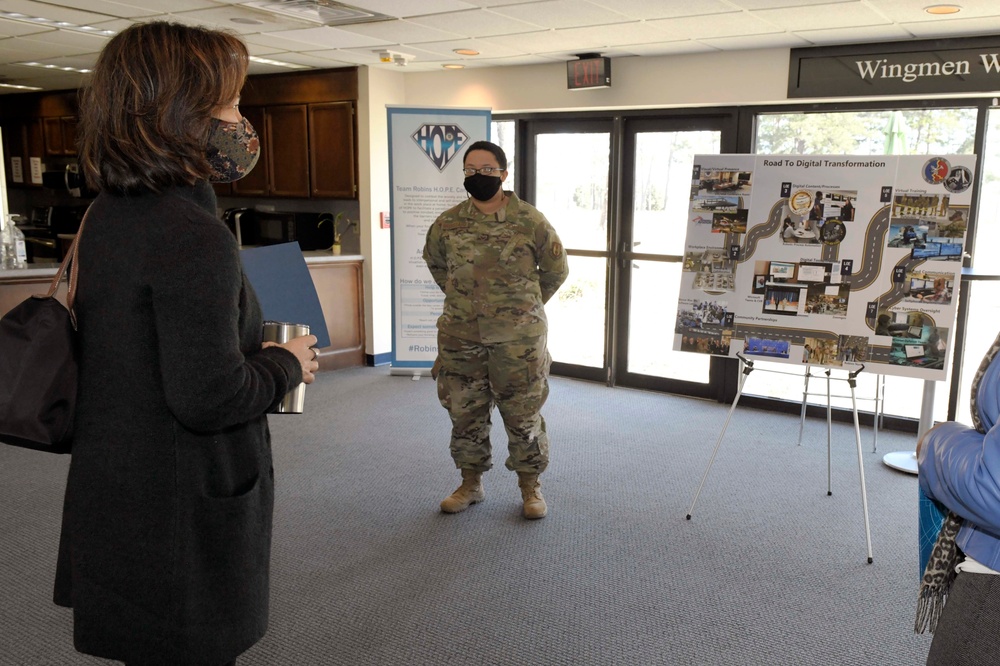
point(903, 68)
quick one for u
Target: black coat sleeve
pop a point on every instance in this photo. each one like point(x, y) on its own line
point(208, 381)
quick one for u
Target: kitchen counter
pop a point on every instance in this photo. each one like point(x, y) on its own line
point(339, 284)
point(34, 272)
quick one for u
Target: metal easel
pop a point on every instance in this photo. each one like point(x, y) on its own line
point(879, 400)
point(851, 379)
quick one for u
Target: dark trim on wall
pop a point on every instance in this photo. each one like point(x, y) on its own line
point(378, 359)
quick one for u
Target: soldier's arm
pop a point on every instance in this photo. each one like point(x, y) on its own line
point(553, 267)
point(434, 255)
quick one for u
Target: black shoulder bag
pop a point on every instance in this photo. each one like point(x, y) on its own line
point(38, 370)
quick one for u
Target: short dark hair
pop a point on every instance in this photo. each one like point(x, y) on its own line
point(488, 146)
point(145, 115)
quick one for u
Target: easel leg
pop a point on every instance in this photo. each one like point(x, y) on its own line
point(805, 397)
point(829, 438)
point(879, 396)
point(861, 467)
point(747, 369)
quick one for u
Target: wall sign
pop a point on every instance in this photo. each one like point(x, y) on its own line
point(897, 68)
point(586, 73)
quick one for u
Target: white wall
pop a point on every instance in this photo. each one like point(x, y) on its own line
point(696, 80)
point(376, 89)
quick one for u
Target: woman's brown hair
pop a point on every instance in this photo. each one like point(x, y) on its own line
point(145, 115)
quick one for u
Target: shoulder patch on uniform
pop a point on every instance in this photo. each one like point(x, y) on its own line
point(557, 250)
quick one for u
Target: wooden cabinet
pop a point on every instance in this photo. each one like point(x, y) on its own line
point(307, 150)
point(331, 151)
point(339, 285)
point(288, 150)
point(60, 135)
point(22, 139)
point(255, 183)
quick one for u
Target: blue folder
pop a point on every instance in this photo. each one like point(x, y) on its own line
point(284, 287)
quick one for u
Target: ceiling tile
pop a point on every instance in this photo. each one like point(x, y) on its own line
point(18, 28)
point(404, 8)
point(655, 9)
point(476, 23)
point(495, 3)
point(843, 15)
point(50, 11)
point(781, 4)
point(486, 48)
point(874, 33)
point(955, 27)
point(906, 11)
point(400, 32)
point(221, 17)
point(564, 14)
point(130, 8)
point(669, 48)
point(311, 39)
point(310, 60)
point(69, 42)
point(720, 26)
point(776, 40)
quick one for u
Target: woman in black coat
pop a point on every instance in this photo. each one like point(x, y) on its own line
point(166, 536)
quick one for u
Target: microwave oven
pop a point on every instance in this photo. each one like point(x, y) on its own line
point(282, 227)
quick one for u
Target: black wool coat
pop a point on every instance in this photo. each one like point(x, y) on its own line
point(166, 534)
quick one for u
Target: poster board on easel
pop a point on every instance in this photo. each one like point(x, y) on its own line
point(829, 261)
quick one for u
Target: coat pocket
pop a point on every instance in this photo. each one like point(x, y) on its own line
point(226, 556)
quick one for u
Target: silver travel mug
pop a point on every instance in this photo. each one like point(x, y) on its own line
point(281, 332)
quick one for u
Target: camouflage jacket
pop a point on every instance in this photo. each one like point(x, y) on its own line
point(496, 271)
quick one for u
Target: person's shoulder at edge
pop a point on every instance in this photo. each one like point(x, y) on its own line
point(185, 228)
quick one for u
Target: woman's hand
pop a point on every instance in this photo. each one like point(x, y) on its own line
point(304, 351)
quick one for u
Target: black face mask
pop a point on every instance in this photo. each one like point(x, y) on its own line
point(482, 188)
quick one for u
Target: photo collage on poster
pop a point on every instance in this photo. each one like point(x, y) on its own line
point(825, 260)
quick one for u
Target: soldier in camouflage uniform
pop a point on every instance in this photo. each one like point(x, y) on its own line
point(497, 260)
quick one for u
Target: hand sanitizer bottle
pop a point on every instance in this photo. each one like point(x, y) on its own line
point(14, 253)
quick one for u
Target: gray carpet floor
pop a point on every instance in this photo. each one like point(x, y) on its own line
point(367, 571)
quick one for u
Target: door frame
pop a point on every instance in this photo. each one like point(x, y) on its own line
point(620, 180)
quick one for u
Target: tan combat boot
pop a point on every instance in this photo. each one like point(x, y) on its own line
point(531, 493)
point(470, 492)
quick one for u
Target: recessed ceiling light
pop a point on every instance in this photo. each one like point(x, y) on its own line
point(61, 25)
point(17, 87)
point(51, 66)
point(277, 63)
point(246, 20)
point(453, 66)
point(941, 10)
point(468, 52)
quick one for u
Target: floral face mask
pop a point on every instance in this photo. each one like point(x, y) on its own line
point(233, 149)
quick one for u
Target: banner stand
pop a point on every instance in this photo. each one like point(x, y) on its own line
point(415, 373)
point(852, 382)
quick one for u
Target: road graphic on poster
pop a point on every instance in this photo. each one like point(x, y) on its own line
point(830, 261)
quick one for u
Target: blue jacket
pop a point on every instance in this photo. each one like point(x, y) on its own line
point(960, 467)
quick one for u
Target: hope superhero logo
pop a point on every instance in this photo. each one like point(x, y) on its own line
point(440, 143)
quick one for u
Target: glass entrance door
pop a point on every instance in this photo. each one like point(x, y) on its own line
point(571, 163)
point(617, 192)
point(658, 158)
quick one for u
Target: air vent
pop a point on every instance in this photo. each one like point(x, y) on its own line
point(324, 12)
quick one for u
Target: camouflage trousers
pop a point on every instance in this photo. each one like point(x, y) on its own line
point(473, 377)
